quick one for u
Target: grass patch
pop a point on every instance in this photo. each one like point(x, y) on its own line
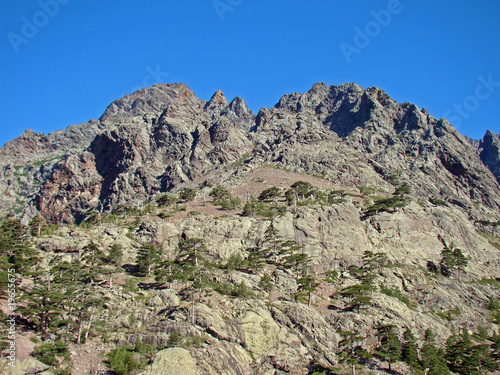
point(491, 282)
point(396, 293)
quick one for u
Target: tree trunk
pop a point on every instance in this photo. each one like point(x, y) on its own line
point(352, 358)
point(309, 299)
point(80, 325)
point(89, 324)
point(192, 309)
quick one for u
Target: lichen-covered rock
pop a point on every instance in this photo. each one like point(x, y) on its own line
point(260, 332)
point(172, 361)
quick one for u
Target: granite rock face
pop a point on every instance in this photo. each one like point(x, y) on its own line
point(489, 151)
point(357, 144)
point(160, 137)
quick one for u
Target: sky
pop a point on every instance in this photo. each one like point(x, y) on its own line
point(64, 61)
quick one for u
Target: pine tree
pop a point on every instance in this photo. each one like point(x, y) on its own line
point(266, 283)
point(191, 250)
point(15, 247)
point(270, 194)
point(274, 241)
point(432, 360)
point(447, 262)
point(458, 354)
point(351, 352)
point(114, 260)
point(409, 351)
point(358, 296)
point(37, 225)
point(389, 347)
point(495, 350)
point(187, 194)
point(148, 257)
point(452, 260)
point(308, 284)
point(93, 258)
point(44, 307)
point(482, 359)
point(460, 261)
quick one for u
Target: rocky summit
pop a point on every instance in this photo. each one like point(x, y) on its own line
point(337, 232)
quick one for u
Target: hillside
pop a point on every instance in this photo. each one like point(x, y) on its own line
point(176, 235)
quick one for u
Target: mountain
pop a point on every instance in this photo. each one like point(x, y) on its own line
point(355, 174)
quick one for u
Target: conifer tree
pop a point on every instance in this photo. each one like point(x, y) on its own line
point(447, 262)
point(351, 352)
point(460, 261)
point(409, 351)
point(148, 257)
point(389, 347)
point(274, 241)
point(495, 350)
point(358, 296)
point(93, 258)
point(308, 284)
point(191, 250)
point(432, 360)
point(15, 247)
point(458, 353)
point(37, 225)
point(43, 307)
point(114, 260)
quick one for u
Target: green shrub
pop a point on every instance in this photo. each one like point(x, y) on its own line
point(231, 203)
point(123, 360)
point(437, 202)
point(270, 194)
point(174, 339)
point(450, 314)
point(196, 341)
point(165, 200)
point(47, 353)
point(187, 194)
point(396, 293)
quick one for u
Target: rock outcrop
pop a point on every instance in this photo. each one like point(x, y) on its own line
point(160, 137)
point(385, 177)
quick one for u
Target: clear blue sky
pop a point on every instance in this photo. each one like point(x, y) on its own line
point(64, 64)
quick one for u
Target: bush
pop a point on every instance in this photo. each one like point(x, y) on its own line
point(437, 202)
point(174, 339)
point(396, 293)
point(219, 193)
point(187, 194)
point(165, 200)
point(253, 208)
point(230, 204)
point(47, 353)
point(123, 360)
point(270, 194)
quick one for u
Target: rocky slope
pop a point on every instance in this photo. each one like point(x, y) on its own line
point(157, 138)
point(398, 181)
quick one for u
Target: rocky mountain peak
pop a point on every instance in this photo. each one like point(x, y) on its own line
point(489, 151)
point(366, 196)
point(150, 100)
point(159, 137)
point(217, 100)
